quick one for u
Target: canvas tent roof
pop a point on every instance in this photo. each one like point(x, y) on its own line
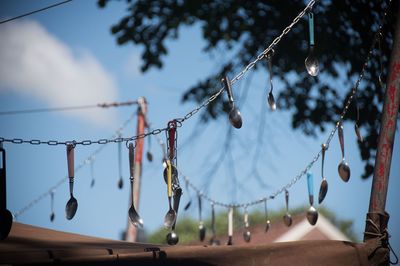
point(28, 244)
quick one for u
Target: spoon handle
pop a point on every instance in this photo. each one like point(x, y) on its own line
point(171, 139)
point(177, 199)
point(310, 184)
point(119, 156)
point(341, 138)
point(230, 222)
point(131, 160)
point(169, 179)
point(324, 147)
point(311, 28)
point(70, 160)
point(200, 208)
point(266, 209)
point(287, 200)
point(227, 85)
point(3, 196)
point(213, 221)
point(270, 73)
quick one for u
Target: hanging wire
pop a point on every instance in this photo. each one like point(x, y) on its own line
point(69, 108)
point(86, 161)
point(178, 120)
point(35, 11)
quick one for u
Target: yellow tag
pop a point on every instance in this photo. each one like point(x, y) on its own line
point(169, 178)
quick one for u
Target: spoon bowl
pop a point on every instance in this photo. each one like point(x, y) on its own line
point(235, 118)
point(344, 171)
point(202, 232)
point(187, 205)
point(71, 207)
point(247, 236)
point(134, 217)
point(120, 183)
point(172, 238)
point(174, 174)
point(271, 101)
point(323, 189)
point(6, 219)
point(267, 226)
point(287, 219)
point(52, 216)
point(170, 218)
point(149, 156)
point(312, 215)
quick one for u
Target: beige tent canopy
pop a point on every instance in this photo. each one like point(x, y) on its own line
point(27, 245)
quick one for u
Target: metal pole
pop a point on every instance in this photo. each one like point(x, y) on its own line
point(132, 232)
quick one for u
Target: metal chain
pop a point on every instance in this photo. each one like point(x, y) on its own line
point(179, 120)
point(332, 133)
point(88, 160)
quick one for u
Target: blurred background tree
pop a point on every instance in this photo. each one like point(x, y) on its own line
point(344, 30)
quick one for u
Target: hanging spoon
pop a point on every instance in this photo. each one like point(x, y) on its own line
point(287, 218)
point(234, 115)
point(172, 236)
point(149, 155)
point(52, 215)
point(202, 228)
point(312, 214)
point(92, 172)
point(120, 181)
point(213, 241)
point(311, 61)
point(356, 127)
point(271, 99)
point(72, 204)
point(6, 218)
point(343, 168)
point(171, 214)
point(133, 215)
point(268, 222)
point(246, 233)
point(323, 189)
point(190, 197)
point(230, 227)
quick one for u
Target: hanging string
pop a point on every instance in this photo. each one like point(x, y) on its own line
point(69, 108)
point(178, 120)
point(35, 11)
point(63, 180)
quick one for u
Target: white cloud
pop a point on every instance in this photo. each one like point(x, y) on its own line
point(35, 63)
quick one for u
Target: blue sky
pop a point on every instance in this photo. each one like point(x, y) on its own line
point(67, 56)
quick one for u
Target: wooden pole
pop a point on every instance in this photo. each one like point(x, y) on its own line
point(132, 231)
point(388, 128)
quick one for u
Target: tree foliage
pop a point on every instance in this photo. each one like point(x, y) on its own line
point(344, 31)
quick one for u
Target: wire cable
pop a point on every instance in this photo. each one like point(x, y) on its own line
point(35, 11)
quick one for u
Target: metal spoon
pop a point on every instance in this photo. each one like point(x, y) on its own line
point(268, 222)
point(323, 189)
point(287, 218)
point(213, 241)
point(312, 214)
point(271, 99)
point(311, 61)
point(230, 227)
point(133, 215)
point(120, 181)
point(149, 155)
point(234, 115)
point(72, 204)
point(92, 172)
point(6, 218)
point(343, 168)
point(52, 215)
point(170, 217)
point(190, 197)
point(246, 233)
point(202, 228)
point(172, 236)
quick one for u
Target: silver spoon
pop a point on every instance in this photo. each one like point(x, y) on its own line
point(172, 236)
point(6, 218)
point(120, 181)
point(133, 215)
point(271, 99)
point(92, 172)
point(149, 155)
point(311, 61)
point(287, 218)
point(234, 115)
point(72, 204)
point(323, 189)
point(246, 233)
point(230, 227)
point(312, 213)
point(190, 197)
point(268, 222)
point(202, 228)
point(213, 241)
point(170, 217)
point(52, 215)
point(343, 168)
